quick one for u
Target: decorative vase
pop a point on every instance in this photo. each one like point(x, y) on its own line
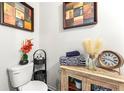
point(23, 62)
point(91, 64)
point(24, 59)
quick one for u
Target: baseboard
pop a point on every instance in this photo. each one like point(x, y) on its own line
point(51, 88)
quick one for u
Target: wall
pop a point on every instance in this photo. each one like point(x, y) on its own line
point(57, 41)
point(10, 43)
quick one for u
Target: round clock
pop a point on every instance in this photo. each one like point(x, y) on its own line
point(110, 60)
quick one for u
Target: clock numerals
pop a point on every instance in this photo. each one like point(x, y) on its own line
point(114, 62)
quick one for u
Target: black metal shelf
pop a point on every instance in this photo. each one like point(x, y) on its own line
point(40, 70)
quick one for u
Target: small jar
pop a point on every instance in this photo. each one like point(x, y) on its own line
point(90, 63)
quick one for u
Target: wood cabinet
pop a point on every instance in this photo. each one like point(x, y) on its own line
point(75, 78)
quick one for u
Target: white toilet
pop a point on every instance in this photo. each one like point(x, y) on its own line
point(20, 78)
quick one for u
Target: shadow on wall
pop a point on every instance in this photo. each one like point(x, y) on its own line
point(54, 77)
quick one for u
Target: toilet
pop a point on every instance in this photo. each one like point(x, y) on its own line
point(20, 78)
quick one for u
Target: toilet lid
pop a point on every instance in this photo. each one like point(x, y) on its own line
point(34, 86)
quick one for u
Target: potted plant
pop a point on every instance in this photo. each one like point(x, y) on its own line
point(25, 49)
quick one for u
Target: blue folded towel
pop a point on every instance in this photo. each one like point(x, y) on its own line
point(73, 61)
point(72, 53)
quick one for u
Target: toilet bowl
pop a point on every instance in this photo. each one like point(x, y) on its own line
point(34, 86)
point(20, 78)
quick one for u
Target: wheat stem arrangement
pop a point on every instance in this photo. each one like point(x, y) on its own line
point(92, 47)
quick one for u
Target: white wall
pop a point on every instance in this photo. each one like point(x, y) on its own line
point(10, 43)
point(57, 41)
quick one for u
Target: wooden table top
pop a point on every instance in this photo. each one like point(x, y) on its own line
point(102, 73)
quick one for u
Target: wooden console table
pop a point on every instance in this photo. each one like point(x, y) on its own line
point(88, 80)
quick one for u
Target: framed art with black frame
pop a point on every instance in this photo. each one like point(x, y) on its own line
point(76, 14)
point(18, 15)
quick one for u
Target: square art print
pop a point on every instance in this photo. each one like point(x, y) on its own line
point(18, 15)
point(77, 14)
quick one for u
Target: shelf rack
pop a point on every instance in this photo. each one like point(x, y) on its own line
point(40, 67)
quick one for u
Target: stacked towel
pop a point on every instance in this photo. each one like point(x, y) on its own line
point(72, 53)
point(73, 61)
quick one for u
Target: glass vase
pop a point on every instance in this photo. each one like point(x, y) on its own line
point(24, 59)
point(91, 63)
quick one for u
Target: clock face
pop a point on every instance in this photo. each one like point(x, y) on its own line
point(109, 59)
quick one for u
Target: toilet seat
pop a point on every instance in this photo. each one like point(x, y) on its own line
point(34, 86)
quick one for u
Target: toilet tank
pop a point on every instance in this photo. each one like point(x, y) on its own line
point(20, 74)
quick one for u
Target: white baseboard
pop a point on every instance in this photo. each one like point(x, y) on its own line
point(51, 88)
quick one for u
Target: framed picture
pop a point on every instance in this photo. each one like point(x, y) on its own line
point(76, 14)
point(18, 15)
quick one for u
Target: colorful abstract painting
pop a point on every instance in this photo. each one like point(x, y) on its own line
point(77, 14)
point(17, 15)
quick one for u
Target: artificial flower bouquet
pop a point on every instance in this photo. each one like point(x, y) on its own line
point(25, 49)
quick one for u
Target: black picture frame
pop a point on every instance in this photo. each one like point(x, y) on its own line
point(70, 17)
point(18, 15)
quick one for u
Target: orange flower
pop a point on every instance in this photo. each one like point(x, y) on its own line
point(27, 46)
